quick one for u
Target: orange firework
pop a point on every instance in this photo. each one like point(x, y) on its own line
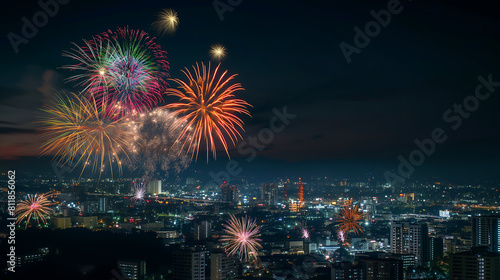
point(36, 207)
point(208, 108)
point(349, 219)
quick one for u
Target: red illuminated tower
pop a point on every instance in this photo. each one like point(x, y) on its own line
point(301, 194)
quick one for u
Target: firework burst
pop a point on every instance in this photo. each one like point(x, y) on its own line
point(35, 206)
point(139, 192)
point(349, 218)
point(124, 70)
point(208, 109)
point(217, 52)
point(79, 132)
point(157, 150)
point(241, 237)
point(167, 21)
point(304, 231)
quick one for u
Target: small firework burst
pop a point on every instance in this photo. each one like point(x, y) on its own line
point(36, 207)
point(241, 237)
point(208, 110)
point(167, 21)
point(217, 52)
point(304, 231)
point(349, 218)
point(341, 236)
point(139, 192)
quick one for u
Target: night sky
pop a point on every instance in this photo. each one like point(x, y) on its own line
point(352, 118)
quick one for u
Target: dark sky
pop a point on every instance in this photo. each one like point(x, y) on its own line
point(353, 117)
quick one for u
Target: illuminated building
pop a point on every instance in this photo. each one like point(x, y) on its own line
point(410, 237)
point(154, 187)
point(229, 193)
point(132, 269)
point(486, 232)
point(301, 194)
point(189, 265)
point(202, 230)
point(222, 266)
point(475, 264)
point(61, 222)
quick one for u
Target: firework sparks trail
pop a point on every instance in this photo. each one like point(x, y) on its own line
point(139, 192)
point(349, 219)
point(124, 70)
point(157, 152)
point(79, 132)
point(209, 109)
point(167, 21)
point(35, 206)
point(241, 237)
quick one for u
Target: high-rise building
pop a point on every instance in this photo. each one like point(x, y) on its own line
point(89, 207)
point(486, 232)
point(229, 193)
point(435, 248)
point(103, 204)
point(61, 222)
point(381, 268)
point(346, 271)
point(132, 269)
point(301, 194)
point(202, 230)
point(85, 221)
point(189, 265)
point(475, 264)
point(410, 237)
point(154, 187)
point(269, 194)
point(223, 267)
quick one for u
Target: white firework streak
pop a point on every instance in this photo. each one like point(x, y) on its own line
point(139, 192)
point(241, 237)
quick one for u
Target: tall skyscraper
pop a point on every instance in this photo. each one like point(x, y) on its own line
point(301, 194)
point(475, 264)
point(132, 269)
point(154, 187)
point(103, 204)
point(229, 193)
point(410, 237)
point(222, 266)
point(269, 194)
point(202, 230)
point(486, 232)
point(189, 265)
point(435, 248)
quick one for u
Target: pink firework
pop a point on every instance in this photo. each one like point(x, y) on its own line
point(124, 69)
point(241, 237)
point(341, 236)
point(304, 231)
